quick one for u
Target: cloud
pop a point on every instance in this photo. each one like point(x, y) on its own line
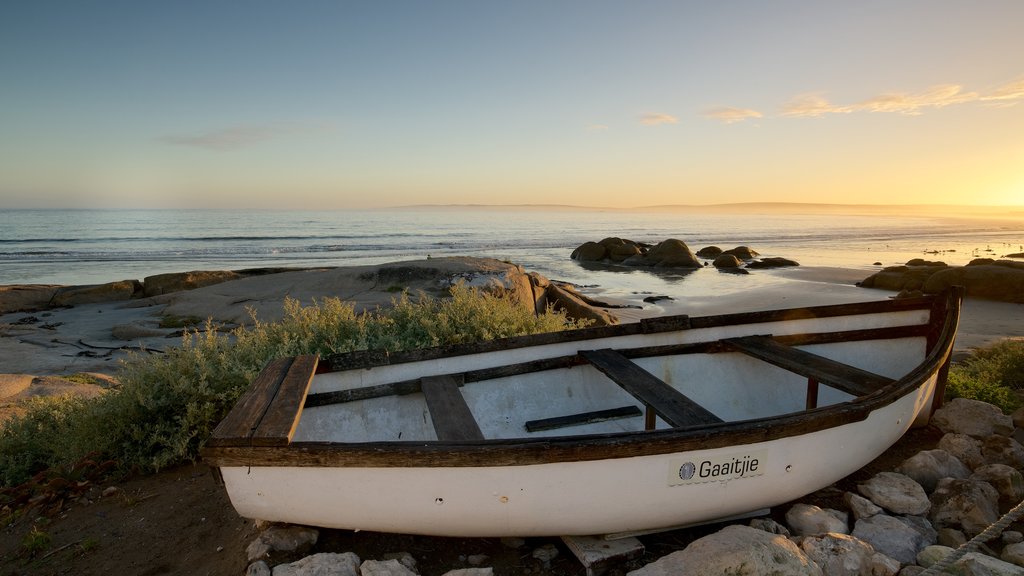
point(655, 119)
point(1007, 94)
point(597, 127)
point(234, 137)
point(812, 106)
point(729, 114)
point(913, 104)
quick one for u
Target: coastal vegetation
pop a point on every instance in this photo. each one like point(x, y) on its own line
point(167, 404)
point(994, 374)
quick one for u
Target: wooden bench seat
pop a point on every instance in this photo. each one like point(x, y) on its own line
point(453, 421)
point(817, 368)
point(670, 404)
point(269, 410)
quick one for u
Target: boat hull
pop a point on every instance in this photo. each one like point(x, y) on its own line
point(591, 484)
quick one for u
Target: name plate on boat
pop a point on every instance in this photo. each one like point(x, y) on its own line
point(717, 468)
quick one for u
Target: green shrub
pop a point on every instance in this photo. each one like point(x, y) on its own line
point(994, 374)
point(168, 404)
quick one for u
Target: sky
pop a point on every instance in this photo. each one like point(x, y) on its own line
point(336, 104)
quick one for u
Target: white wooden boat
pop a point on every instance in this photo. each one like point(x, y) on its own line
point(638, 427)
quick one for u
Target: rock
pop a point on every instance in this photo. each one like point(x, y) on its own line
point(384, 568)
point(322, 564)
point(589, 252)
point(1018, 417)
point(810, 520)
point(968, 504)
point(742, 252)
point(772, 263)
point(470, 572)
point(709, 252)
point(656, 299)
point(1012, 537)
point(769, 525)
point(898, 278)
point(999, 280)
point(951, 537)
point(727, 261)
point(861, 506)
point(896, 493)
point(965, 448)
point(911, 570)
point(110, 292)
point(972, 417)
point(894, 537)
point(843, 555)
point(672, 253)
point(931, 555)
point(477, 559)
point(258, 568)
point(1002, 450)
point(973, 564)
point(178, 281)
point(545, 554)
point(405, 558)
point(1005, 479)
point(287, 539)
point(26, 297)
point(738, 550)
point(564, 298)
point(929, 466)
point(1013, 553)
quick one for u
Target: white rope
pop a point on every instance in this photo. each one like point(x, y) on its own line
point(972, 545)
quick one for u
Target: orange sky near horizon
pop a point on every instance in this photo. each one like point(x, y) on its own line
point(339, 105)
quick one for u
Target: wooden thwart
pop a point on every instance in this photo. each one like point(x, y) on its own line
point(670, 404)
point(837, 375)
point(452, 418)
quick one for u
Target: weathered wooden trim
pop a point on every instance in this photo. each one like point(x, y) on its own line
point(240, 423)
point(453, 421)
point(812, 394)
point(849, 379)
point(671, 405)
point(582, 418)
point(282, 416)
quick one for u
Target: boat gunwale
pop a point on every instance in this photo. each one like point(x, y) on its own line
point(569, 448)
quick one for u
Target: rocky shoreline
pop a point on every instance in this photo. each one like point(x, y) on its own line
point(674, 254)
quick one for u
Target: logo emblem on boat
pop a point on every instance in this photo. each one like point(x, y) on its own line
point(686, 471)
point(717, 468)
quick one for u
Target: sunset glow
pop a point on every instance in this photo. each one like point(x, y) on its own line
point(354, 105)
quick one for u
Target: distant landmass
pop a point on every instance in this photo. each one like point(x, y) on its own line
point(759, 208)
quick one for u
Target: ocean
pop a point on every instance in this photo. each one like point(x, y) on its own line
point(94, 246)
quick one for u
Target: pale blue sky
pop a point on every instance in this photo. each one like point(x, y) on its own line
point(344, 104)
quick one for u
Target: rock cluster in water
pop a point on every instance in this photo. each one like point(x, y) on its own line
point(899, 523)
point(1001, 280)
point(673, 254)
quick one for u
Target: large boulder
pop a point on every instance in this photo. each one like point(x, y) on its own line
point(178, 281)
point(971, 505)
point(774, 262)
point(1001, 280)
point(896, 493)
point(972, 417)
point(109, 292)
point(899, 538)
point(927, 467)
point(26, 298)
point(672, 253)
point(738, 550)
point(843, 555)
